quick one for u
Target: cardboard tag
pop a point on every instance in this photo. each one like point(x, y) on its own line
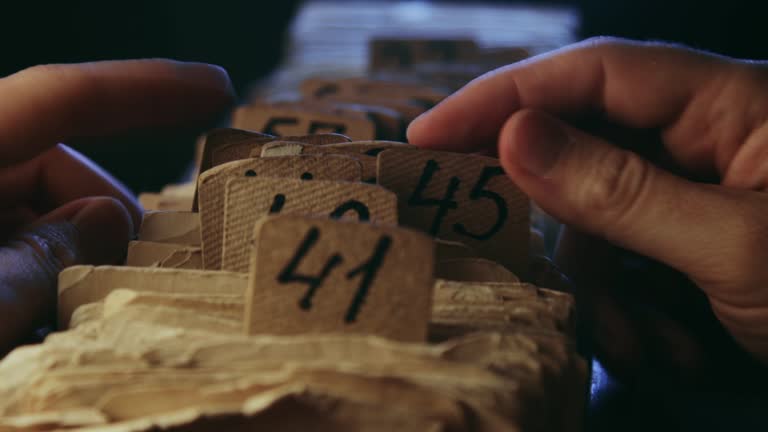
point(286, 148)
point(243, 149)
point(460, 197)
point(212, 182)
point(248, 199)
point(473, 270)
point(79, 285)
point(166, 255)
point(390, 124)
point(370, 148)
point(400, 53)
point(177, 227)
point(285, 121)
point(308, 277)
point(319, 138)
point(280, 149)
point(445, 250)
point(363, 151)
point(218, 140)
point(227, 145)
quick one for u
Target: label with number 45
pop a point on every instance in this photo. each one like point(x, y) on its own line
point(460, 197)
point(314, 275)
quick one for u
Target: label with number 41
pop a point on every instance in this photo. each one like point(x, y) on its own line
point(315, 275)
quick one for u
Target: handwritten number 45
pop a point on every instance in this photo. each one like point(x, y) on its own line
point(447, 202)
point(368, 269)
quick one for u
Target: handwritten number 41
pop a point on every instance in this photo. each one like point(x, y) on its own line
point(367, 269)
point(447, 202)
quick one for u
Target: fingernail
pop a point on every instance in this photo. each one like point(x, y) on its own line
point(104, 229)
point(212, 75)
point(537, 143)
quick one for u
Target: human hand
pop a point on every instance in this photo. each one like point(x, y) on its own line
point(58, 208)
point(562, 124)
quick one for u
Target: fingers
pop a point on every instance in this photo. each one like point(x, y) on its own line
point(44, 105)
point(58, 176)
point(92, 230)
point(601, 189)
point(639, 85)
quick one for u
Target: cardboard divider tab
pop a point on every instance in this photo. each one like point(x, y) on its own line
point(177, 227)
point(363, 151)
point(460, 197)
point(226, 145)
point(308, 277)
point(284, 121)
point(248, 199)
point(218, 140)
point(211, 186)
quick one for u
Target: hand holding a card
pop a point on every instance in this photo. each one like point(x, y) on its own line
point(655, 149)
point(58, 208)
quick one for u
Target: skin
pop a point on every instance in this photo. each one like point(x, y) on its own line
point(59, 208)
point(655, 157)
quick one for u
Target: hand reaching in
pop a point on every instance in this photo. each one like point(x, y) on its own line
point(58, 208)
point(651, 148)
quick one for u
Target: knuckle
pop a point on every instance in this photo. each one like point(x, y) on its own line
point(53, 246)
point(616, 186)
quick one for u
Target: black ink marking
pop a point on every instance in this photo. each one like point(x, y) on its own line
point(443, 205)
point(307, 176)
point(478, 192)
point(317, 126)
point(271, 126)
point(370, 268)
point(250, 173)
point(363, 214)
point(288, 274)
point(277, 204)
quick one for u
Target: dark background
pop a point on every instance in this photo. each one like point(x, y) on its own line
point(247, 38)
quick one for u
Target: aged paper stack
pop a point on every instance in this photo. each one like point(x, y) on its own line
point(318, 275)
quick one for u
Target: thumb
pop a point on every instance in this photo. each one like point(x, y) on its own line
point(89, 230)
point(594, 186)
